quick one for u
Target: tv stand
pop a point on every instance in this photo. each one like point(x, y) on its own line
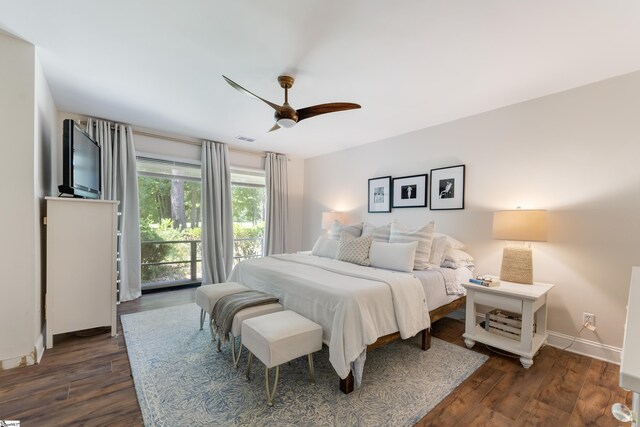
point(81, 265)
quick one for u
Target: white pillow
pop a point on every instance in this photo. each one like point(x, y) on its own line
point(423, 235)
point(457, 255)
point(438, 250)
point(380, 234)
point(354, 249)
point(337, 228)
point(325, 247)
point(393, 256)
point(453, 243)
point(458, 264)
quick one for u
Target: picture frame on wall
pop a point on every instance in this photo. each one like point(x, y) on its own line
point(410, 191)
point(447, 188)
point(380, 194)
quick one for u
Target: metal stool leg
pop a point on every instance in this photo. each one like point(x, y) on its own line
point(312, 374)
point(201, 318)
point(248, 371)
point(236, 360)
point(271, 393)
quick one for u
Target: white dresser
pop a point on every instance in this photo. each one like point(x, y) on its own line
point(630, 365)
point(81, 265)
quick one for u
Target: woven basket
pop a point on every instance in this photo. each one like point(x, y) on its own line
point(517, 265)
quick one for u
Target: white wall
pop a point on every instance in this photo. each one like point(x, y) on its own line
point(574, 153)
point(26, 113)
point(45, 172)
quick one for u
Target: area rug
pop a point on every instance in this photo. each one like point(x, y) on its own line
point(181, 380)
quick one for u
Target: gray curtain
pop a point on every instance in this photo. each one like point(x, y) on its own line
point(120, 182)
point(217, 216)
point(276, 221)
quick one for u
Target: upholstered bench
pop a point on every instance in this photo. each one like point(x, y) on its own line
point(240, 317)
point(208, 295)
point(277, 338)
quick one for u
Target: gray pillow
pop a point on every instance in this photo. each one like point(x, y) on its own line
point(325, 247)
point(337, 228)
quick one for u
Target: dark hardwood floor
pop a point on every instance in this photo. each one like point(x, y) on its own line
point(87, 381)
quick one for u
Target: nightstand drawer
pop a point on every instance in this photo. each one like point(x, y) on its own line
point(497, 301)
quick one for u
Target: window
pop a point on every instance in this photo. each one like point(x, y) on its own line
point(170, 222)
point(248, 195)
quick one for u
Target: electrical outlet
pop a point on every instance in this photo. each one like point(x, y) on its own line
point(589, 318)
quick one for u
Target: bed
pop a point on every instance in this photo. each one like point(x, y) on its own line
point(359, 308)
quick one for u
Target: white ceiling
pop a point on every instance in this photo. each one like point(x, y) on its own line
point(410, 64)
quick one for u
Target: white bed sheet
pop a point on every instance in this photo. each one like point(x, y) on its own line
point(434, 286)
point(355, 305)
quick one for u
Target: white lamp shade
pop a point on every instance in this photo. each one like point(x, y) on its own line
point(520, 225)
point(329, 217)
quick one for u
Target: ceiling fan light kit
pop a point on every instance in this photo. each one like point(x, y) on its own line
point(285, 115)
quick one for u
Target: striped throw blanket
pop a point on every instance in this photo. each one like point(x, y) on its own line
point(228, 306)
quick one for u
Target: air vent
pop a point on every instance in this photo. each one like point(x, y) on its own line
point(245, 138)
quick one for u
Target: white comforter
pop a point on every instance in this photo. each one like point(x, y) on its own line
point(355, 305)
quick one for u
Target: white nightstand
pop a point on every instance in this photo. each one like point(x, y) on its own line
point(528, 300)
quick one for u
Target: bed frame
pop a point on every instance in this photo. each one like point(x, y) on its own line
point(347, 384)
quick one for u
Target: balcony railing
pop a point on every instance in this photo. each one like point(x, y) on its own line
point(246, 248)
point(170, 272)
point(163, 273)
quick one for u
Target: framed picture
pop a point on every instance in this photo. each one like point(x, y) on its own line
point(410, 191)
point(380, 194)
point(447, 188)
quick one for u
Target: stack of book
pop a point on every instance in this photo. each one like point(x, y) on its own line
point(489, 281)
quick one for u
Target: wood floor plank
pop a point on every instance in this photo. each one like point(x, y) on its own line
point(561, 387)
point(510, 396)
point(594, 406)
point(464, 398)
point(537, 413)
point(481, 416)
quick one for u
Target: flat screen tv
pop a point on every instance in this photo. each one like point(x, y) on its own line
point(81, 170)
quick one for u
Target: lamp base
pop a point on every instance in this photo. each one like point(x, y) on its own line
point(517, 264)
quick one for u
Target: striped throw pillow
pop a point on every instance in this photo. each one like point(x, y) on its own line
point(380, 234)
point(423, 235)
point(354, 249)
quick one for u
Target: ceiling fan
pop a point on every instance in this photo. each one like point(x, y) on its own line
point(285, 115)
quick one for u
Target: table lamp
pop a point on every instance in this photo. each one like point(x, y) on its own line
point(519, 225)
point(329, 217)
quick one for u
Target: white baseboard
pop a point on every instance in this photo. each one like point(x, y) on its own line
point(40, 346)
point(594, 349)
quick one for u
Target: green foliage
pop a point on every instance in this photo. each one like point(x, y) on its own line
point(157, 225)
point(253, 245)
point(248, 204)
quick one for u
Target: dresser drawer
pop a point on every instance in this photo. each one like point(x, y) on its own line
point(497, 301)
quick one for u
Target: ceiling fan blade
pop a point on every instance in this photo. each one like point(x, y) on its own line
point(316, 110)
point(275, 127)
point(239, 88)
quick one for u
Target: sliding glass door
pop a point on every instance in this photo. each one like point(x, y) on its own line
point(170, 222)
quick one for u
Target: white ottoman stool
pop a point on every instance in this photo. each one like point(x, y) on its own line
point(208, 295)
point(240, 317)
point(277, 338)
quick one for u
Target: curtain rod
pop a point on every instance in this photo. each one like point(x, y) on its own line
point(186, 141)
